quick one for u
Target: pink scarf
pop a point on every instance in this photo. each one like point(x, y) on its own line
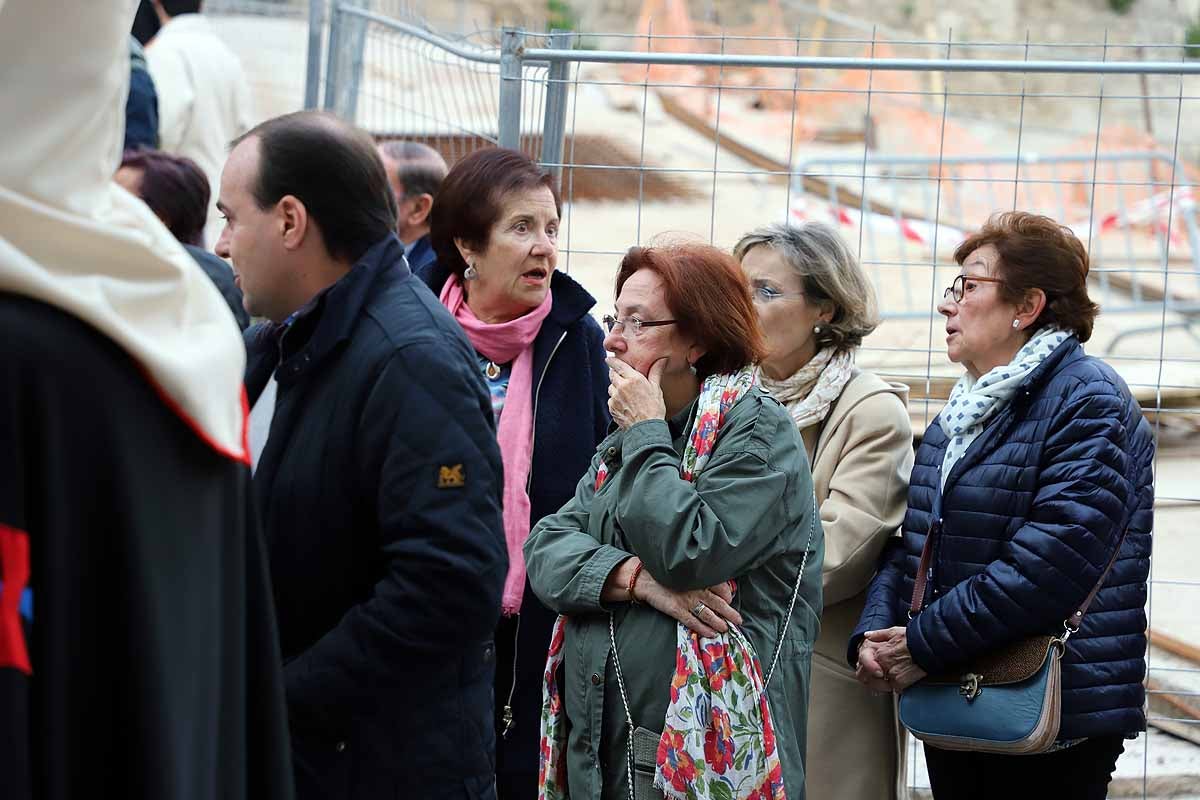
point(502, 343)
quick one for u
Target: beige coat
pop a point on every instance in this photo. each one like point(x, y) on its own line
point(861, 459)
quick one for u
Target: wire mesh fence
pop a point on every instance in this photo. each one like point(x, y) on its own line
point(905, 145)
point(271, 37)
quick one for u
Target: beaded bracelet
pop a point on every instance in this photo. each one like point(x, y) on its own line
point(633, 579)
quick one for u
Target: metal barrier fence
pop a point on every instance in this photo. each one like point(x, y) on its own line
point(898, 200)
point(457, 96)
point(709, 136)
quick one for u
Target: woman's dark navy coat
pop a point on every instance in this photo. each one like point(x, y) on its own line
point(571, 387)
point(1031, 515)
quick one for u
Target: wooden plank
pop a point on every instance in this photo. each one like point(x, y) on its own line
point(1176, 647)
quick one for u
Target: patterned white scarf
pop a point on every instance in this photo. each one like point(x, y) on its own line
point(810, 393)
point(974, 402)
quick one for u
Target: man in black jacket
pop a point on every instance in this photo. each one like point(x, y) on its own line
point(376, 470)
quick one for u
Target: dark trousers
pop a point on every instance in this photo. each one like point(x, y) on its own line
point(1081, 772)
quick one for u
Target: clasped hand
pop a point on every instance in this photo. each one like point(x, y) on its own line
point(712, 619)
point(885, 663)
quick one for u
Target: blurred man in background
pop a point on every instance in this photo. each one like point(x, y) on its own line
point(203, 96)
point(415, 171)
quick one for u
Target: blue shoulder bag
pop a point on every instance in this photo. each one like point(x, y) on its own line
point(1008, 701)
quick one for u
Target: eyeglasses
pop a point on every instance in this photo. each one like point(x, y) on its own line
point(958, 288)
point(633, 324)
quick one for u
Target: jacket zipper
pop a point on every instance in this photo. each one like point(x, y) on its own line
point(507, 716)
point(998, 432)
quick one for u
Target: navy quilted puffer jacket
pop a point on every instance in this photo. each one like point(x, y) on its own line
point(1031, 514)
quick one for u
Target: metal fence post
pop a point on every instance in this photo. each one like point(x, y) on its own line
point(344, 66)
point(555, 124)
point(512, 45)
point(316, 30)
point(333, 55)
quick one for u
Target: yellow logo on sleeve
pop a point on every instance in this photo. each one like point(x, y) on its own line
point(451, 477)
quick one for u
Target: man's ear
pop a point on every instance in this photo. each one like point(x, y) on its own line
point(422, 205)
point(293, 221)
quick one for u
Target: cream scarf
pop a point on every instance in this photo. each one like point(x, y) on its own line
point(812, 390)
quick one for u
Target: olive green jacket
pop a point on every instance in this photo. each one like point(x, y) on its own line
point(747, 517)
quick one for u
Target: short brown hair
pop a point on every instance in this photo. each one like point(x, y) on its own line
point(176, 190)
point(467, 204)
point(1038, 253)
point(706, 291)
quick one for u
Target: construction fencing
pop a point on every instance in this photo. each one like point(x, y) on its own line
point(906, 146)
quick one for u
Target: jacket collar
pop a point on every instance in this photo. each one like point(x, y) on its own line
point(571, 301)
point(329, 318)
point(861, 386)
point(1065, 353)
point(186, 23)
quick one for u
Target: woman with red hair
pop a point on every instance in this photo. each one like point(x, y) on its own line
point(691, 553)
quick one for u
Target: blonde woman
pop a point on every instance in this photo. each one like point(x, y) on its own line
point(815, 306)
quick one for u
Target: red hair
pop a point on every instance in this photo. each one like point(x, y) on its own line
point(706, 291)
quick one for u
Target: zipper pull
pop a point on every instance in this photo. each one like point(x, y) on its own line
point(507, 719)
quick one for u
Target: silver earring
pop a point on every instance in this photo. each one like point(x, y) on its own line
point(470, 273)
point(692, 368)
point(817, 329)
point(1016, 323)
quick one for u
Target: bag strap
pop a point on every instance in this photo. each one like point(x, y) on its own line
point(787, 621)
point(1070, 625)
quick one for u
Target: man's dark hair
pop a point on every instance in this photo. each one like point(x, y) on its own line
point(419, 168)
point(176, 7)
point(332, 168)
point(145, 22)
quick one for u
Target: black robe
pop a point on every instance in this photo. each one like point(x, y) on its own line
point(140, 658)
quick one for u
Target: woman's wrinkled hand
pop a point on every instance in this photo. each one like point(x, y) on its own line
point(893, 657)
point(711, 620)
point(868, 672)
point(633, 397)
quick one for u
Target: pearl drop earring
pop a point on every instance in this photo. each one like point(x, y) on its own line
point(1016, 323)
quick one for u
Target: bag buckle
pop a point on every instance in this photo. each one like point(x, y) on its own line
point(1070, 627)
point(970, 688)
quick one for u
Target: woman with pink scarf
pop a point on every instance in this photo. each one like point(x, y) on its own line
point(494, 227)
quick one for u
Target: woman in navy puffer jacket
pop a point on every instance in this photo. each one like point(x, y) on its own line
point(1042, 457)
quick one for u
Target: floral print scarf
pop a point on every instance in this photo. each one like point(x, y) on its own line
point(717, 740)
